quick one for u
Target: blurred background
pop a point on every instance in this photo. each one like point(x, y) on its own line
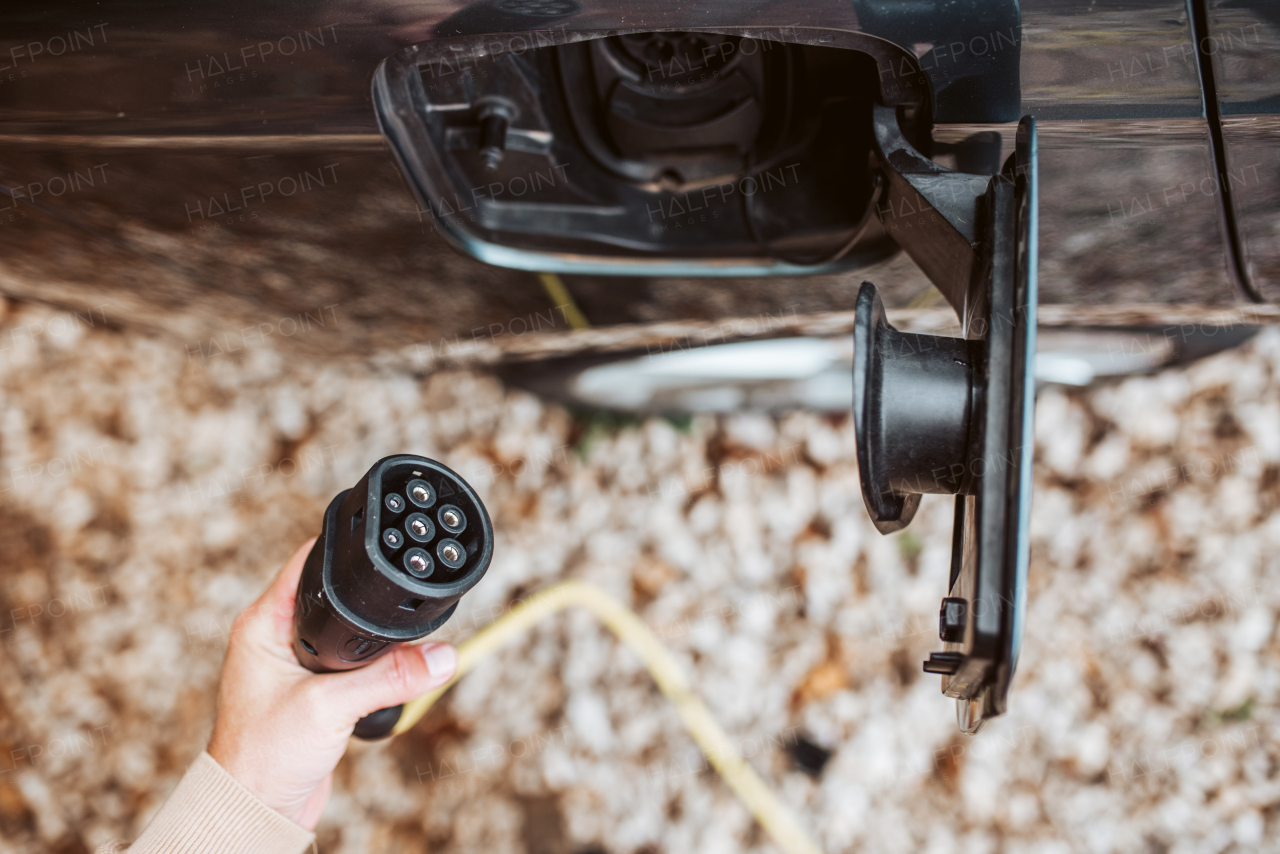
point(224, 298)
point(149, 495)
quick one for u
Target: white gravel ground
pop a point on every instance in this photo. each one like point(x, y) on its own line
point(149, 497)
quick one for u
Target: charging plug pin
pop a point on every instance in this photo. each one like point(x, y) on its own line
point(420, 527)
point(452, 519)
point(421, 493)
point(418, 563)
point(451, 553)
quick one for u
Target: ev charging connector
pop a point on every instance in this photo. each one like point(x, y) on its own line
point(396, 553)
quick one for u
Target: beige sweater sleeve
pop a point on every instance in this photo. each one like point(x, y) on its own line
point(211, 812)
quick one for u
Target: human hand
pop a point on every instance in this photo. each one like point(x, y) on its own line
point(281, 729)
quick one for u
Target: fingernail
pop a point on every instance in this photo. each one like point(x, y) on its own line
point(441, 658)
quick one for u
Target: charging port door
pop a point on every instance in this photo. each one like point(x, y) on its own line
point(954, 415)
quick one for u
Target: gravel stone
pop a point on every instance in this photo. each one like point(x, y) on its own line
point(147, 498)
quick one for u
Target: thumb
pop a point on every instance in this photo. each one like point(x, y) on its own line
point(406, 673)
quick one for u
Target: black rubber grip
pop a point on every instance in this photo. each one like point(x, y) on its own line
point(378, 724)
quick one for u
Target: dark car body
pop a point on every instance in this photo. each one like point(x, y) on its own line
point(212, 165)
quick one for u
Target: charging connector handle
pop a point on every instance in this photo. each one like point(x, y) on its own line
point(395, 554)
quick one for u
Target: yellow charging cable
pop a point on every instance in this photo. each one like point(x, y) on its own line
point(715, 745)
point(559, 293)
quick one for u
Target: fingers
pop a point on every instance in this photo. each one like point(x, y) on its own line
point(285, 586)
point(272, 613)
point(408, 672)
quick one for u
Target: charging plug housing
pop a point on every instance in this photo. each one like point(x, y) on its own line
point(396, 553)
